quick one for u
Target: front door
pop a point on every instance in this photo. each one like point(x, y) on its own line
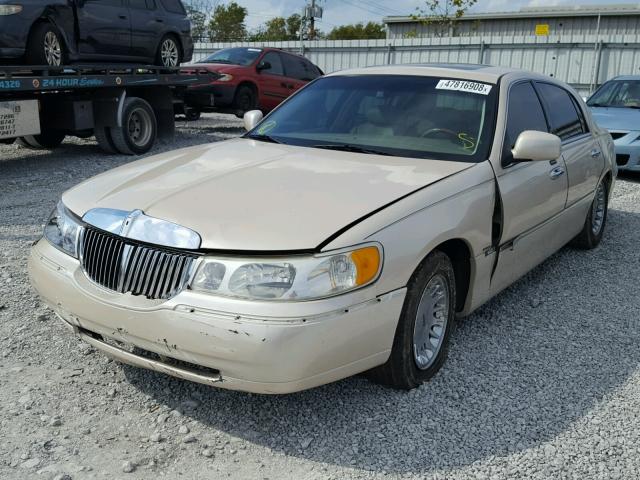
point(532, 193)
point(104, 28)
point(274, 86)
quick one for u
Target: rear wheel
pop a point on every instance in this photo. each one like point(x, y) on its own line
point(425, 326)
point(169, 53)
point(245, 100)
point(139, 128)
point(45, 46)
point(103, 136)
point(191, 114)
point(45, 141)
point(596, 220)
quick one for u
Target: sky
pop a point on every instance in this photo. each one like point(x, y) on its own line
point(339, 12)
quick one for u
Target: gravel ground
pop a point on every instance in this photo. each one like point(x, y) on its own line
point(542, 382)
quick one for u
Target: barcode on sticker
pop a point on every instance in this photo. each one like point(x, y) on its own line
point(464, 86)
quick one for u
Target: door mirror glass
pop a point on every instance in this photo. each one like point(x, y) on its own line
point(251, 119)
point(534, 146)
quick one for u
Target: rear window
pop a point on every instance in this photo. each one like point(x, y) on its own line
point(561, 108)
point(174, 6)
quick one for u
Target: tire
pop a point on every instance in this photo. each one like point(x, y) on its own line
point(45, 141)
point(139, 128)
point(431, 291)
point(244, 100)
point(169, 53)
point(191, 114)
point(105, 141)
point(45, 46)
point(596, 220)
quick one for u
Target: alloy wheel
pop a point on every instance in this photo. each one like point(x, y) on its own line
point(169, 53)
point(52, 49)
point(597, 209)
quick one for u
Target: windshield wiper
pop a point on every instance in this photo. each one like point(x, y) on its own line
point(264, 138)
point(352, 148)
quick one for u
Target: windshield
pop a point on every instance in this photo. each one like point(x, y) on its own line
point(618, 93)
point(406, 116)
point(234, 56)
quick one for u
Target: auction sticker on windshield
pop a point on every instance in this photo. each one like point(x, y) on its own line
point(464, 86)
point(18, 119)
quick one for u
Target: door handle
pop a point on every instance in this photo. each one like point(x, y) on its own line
point(595, 153)
point(123, 17)
point(556, 172)
point(159, 20)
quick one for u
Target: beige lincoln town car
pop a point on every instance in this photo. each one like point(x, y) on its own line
point(344, 233)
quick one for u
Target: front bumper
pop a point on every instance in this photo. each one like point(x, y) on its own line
point(211, 96)
point(628, 152)
point(255, 347)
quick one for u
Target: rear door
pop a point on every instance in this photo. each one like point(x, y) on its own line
point(531, 193)
point(147, 26)
point(580, 149)
point(273, 85)
point(104, 28)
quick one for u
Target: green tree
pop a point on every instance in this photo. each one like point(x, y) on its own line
point(198, 22)
point(227, 23)
point(359, 31)
point(442, 15)
point(278, 29)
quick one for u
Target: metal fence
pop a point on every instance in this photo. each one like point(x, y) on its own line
point(583, 61)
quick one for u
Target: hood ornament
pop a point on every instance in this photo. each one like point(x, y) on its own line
point(138, 226)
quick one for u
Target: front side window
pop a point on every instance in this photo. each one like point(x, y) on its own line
point(617, 94)
point(404, 116)
point(234, 56)
point(271, 64)
point(561, 110)
point(524, 112)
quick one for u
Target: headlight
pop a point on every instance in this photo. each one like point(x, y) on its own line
point(10, 9)
point(293, 278)
point(225, 77)
point(62, 230)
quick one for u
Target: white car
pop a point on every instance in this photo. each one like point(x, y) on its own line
point(343, 234)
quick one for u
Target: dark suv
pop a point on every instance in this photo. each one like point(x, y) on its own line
point(58, 32)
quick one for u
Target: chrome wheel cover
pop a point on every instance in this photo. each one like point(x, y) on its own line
point(139, 127)
point(598, 210)
point(169, 53)
point(52, 49)
point(431, 322)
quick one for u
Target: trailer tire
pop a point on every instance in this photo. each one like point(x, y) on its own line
point(105, 141)
point(139, 129)
point(45, 141)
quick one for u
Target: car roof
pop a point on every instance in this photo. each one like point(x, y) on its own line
point(482, 73)
point(625, 77)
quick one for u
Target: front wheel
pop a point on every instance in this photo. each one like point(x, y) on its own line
point(596, 220)
point(45, 46)
point(245, 100)
point(425, 326)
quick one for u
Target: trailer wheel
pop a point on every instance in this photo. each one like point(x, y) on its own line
point(139, 128)
point(105, 141)
point(45, 141)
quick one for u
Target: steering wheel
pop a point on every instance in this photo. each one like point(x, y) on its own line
point(446, 131)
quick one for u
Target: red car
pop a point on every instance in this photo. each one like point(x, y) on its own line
point(248, 78)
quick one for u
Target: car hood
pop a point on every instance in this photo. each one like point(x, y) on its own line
point(245, 195)
point(616, 118)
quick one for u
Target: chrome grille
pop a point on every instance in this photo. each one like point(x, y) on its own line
point(124, 266)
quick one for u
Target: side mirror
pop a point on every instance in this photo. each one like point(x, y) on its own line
point(536, 146)
point(251, 119)
point(263, 66)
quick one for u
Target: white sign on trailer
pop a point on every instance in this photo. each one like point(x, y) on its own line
point(19, 118)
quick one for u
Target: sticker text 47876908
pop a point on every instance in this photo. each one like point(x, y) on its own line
point(464, 86)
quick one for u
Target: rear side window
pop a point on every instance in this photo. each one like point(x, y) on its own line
point(143, 4)
point(562, 111)
point(299, 68)
point(174, 6)
point(524, 113)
